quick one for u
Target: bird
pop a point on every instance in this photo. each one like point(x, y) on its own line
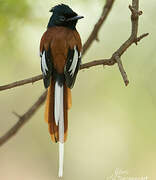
point(60, 53)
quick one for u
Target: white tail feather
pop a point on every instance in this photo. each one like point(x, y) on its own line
point(61, 117)
point(57, 102)
point(61, 154)
point(61, 135)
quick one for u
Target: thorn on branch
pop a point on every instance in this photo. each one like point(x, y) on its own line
point(22, 119)
point(16, 114)
point(97, 39)
point(141, 37)
point(122, 71)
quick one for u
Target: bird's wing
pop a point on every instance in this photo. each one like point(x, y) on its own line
point(46, 61)
point(46, 67)
point(72, 66)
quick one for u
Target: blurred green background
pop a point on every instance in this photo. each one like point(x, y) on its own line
point(110, 126)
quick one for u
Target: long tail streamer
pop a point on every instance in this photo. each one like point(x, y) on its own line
point(59, 114)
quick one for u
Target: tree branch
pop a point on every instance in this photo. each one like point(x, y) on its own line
point(39, 77)
point(22, 82)
point(115, 58)
point(94, 34)
point(23, 119)
point(122, 71)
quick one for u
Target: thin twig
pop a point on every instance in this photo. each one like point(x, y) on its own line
point(122, 71)
point(94, 34)
point(22, 82)
point(16, 114)
point(23, 119)
point(142, 36)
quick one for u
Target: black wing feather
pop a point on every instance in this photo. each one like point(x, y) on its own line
point(47, 75)
point(70, 78)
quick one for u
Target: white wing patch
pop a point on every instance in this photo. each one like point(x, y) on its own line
point(74, 62)
point(43, 63)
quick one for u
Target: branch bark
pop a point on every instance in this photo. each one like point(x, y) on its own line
point(115, 58)
point(23, 119)
point(94, 34)
point(40, 77)
point(22, 82)
point(122, 71)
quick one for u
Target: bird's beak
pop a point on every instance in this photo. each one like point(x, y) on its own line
point(75, 18)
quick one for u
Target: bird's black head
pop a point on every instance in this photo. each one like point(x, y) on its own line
point(63, 15)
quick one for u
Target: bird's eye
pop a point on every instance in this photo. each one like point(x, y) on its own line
point(62, 18)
